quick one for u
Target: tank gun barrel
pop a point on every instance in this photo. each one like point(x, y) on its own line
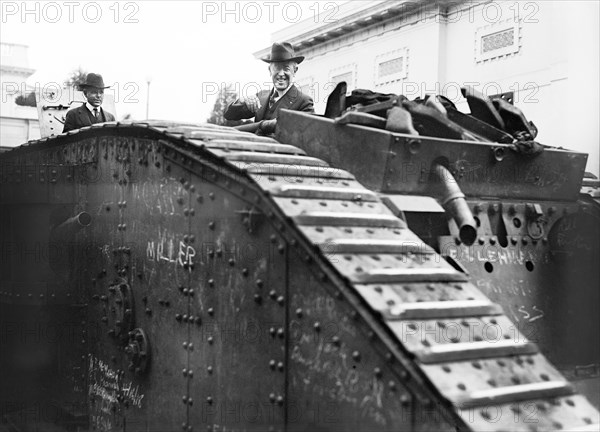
point(452, 199)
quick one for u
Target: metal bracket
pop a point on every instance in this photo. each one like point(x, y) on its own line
point(138, 350)
point(120, 311)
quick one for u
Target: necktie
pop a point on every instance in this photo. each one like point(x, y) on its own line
point(96, 114)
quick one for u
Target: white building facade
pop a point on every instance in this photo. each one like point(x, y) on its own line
point(18, 124)
point(545, 53)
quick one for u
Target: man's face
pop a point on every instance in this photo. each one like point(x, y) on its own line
point(282, 74)
point(94, 96)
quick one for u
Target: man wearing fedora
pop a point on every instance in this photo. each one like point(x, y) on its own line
point(91, 112)
point(265, 105)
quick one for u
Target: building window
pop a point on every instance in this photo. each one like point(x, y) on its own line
point(343, 77)
point(391, 66)
point(345, 73)
point(497, 40)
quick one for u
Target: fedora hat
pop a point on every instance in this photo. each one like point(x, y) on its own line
point(93, 80)
point(281, 52)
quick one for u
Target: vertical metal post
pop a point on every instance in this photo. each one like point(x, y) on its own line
point(148, 80)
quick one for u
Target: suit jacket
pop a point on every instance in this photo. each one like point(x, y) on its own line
point(294, 100)
point(79, 117)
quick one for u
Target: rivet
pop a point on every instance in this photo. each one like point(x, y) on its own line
point(257, 298)
point(209, 369)
point(299, 313)
point(210, 340)
point(211, 225)
point(335, 340)
point(245, 272)
point(317, 326)
point(280, 366)
point(377, 372)
point(211, 282)
point(259, 283)
point(272, 397)
point(209, 400)
point(281, 333)
point(178, 317)
point(211, 311)
point(280, 300)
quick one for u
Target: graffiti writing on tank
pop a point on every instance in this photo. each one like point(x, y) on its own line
point(109, 390)
point(494, 254)
point(168, 248)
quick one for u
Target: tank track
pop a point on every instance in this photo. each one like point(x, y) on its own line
point(457, 351)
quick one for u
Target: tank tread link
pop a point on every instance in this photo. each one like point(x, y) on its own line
point(448, 356)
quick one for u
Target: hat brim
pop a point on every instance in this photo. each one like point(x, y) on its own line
point(298, 60)
point(82, 86)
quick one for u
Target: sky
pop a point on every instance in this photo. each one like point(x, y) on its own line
point(187, 49)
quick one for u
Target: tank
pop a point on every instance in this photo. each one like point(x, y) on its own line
point(339, 276)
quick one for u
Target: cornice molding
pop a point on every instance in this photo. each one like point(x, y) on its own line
point(17, 70)
point(391, 14)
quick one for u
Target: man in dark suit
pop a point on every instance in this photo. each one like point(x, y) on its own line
point(91, 112)
point(265, 105)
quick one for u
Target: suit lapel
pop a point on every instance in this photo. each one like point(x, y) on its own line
point(288, 99)
point(264, 107)
point(84, 116)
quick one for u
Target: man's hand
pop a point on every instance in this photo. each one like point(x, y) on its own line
point(252, 102)
point(267, 127)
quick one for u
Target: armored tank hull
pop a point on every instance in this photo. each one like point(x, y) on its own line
point(167, 277)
